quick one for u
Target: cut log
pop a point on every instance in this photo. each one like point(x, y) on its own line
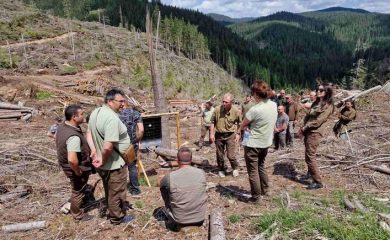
point(4, 105)
point(18, 192)
point(356, 96)
point(359, 205)
point(385, 217)
point(216, 229)
point(172, 154)
point(11, 115)
point(24, 226)
point(384, 226)
point(384, 170)
point(27, 117)
point(348, 204)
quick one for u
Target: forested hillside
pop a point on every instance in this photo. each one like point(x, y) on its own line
point(349, 46)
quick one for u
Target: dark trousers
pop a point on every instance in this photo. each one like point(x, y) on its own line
point(290, 134)
point(114, 183)
point(224, 142)
point(203, 131)
point(133, 178)
point(280, 140)
point(78, 184)
point(312, 140)
point(258, 179)
point(170, 222)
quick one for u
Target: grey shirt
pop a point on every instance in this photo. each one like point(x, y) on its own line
point(282, 120)
point(187, 194)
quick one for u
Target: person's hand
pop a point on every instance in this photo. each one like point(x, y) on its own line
point(212, 138)
point(300, 133)
point(97, 162)
point(79, 172)
point(237, 138)
point(93, 154)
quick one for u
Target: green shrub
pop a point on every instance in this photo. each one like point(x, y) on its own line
point(5, 61)
point(68, 70)
point(43, 95)
point(234, 218)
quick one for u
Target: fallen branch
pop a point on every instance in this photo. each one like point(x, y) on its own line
point(24, 226)
point(18, 192)
point(384, 170)
point(237, 193)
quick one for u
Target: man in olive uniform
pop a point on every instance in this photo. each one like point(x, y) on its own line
point(225, 132)
point(292, 112)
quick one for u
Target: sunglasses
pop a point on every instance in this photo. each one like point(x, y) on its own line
point(121, 101)
point(320, 90)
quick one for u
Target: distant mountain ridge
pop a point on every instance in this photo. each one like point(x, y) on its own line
point(343, 9)
point(226, 20)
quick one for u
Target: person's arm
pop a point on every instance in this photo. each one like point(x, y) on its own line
point(321, 118)
point(285, 124)
point(212, 127)
point(74, 163)
point(139, 131)
point(91, 144)
point(212, 133)
point(108, 147)
point(349, 116)
point(245, 123)
point(238, 131)
point(73, 146)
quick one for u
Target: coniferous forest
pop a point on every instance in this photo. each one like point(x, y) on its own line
point(344, 46)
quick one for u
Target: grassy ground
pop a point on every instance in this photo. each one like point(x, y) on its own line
point(324, 216)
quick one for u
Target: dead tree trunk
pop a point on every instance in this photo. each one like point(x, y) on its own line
point(158, 90)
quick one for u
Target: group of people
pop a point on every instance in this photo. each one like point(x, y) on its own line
point(114, 128)
point(267, 119)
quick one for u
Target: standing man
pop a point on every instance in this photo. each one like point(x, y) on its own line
point(73, 156)
point(292, 112)
point(280, 129)
point(135, 128)
point(206, 122)
point(308, 102)
point(184, 193)
point(225, 132)
point(281, 98)
point(108, 140)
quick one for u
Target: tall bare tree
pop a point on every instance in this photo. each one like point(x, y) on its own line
point(158, 90)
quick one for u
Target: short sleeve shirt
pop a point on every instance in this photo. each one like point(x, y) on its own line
point(105, 121)
point(282, 120)
point(73, 144)
point(262, 118)
point(226, 121)
point(130, 118)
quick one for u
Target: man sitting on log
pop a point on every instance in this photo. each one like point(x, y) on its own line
point(184, 194)
point(73, 156)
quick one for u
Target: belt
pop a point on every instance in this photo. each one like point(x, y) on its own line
point(224, 134)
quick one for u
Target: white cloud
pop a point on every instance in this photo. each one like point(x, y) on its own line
point(256, 8)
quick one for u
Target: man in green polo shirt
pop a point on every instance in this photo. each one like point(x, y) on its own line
point(225, 132)
point(108, 139)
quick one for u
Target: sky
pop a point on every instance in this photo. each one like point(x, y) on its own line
point(257, 8)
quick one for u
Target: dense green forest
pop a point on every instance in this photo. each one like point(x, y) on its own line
point(352, 42)
point(285, 49)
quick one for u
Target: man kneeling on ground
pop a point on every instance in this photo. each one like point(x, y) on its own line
point(184, 193)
